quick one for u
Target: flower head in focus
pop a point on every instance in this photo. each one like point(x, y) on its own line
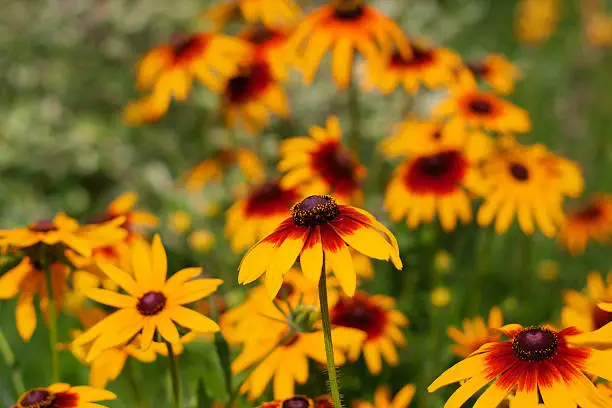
point(319, 230)
point(62, 395)
point(384, 399)
point(590, 221)
point(476, 333)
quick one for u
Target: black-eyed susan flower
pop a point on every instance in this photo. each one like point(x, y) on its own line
point(27, 280)
point(382, 324)
point(284, 360)
point(481, 109)
point(345, 26)
point(272, 13)
point(476, 333)
point(531, 183)
point(255, 216)
point(167, 72)
point(319, 231)
point(201, 240)
point(590, 221)
point(251, 94)
point(62, 395)
point(296, 401)
point(151, 304)
point(136, 221)
point(534, 361)
point(212, 169)
point(383, 398)
point(434, 67)
point(438, 182)
point(322, 163)
point(535, 20)
point(64, 232)
point(582, 309)
point(496, 71)
point(270, 45)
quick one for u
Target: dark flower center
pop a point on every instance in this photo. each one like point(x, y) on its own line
point(600, 317)
point(270, 199)
point(324, 401)
point(359, 313)
point(591, 213)
point(478, 68)
point(151, 303)
point(348, 10)
point(337, 166)
point(261, 34)
point(186, 46)
point(314, 210)
point(535, 344)
point(42, 226)
point(248, 84)
point(519, 172)
point(480, 106)
point(296, 402)
point(439, 173)
point(37, 398)
point(418, 58)
point(285, 291)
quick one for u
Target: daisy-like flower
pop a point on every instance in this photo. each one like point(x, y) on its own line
point(299, 401)
point(535, 20)
point(382, 398)
point(591, 221)
point(256, 215)
point(212, 169)
point(168, 71)
point(533, 361)
point(496, 71)
point(377, 318)
point(581, 308)
point(284, 359)
point(531, 182)
point(476, 333)
point(270, 45)
point(62, 395)
point(319, 231)
point(251, 94)
point(345, 26)
point(151, 303)
point(65, 232)
point(135, 220)
point(27, 279)
point(439, 181)
point(272, 13)
point(433, 67)
point(481, 109)
point(322, 162)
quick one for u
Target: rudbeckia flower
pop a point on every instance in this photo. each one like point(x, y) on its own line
point(272, 13)
point(531, 182)
point(62, 395)
point(319, 231)
point(440, 181)
point(382, 398)
point(270, 45)
point(251, 94)
point(212, 169)
point(476, 333)
point(481, 109)
point(535, 20)
point(381, 323)
point(297, 401)
point(135, 220)
point(345, 26)
point(151, 303)
point(255, 216)
point(591, 221)
point(284, 359)
point(168, 71)
point(27, 279)
point(66, 232)
point(582, 308)
point(433, 67)
point(535, 361)
point(322, 162)
point(496, 71)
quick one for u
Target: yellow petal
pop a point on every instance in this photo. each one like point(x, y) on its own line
point(193, 320)
point(467, 368)
point(110, 298)
point(159, 263)
point(121, 278)
point(167, 330)
point(341, 263)
point(311, 258)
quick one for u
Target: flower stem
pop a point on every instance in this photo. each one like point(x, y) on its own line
point(55, 374)
point(329, 348)
point(354, 117)
point(174, 374)
point(9, 359)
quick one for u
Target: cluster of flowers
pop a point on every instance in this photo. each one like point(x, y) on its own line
point(465, 152)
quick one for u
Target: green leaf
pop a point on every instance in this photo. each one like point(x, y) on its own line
point(203, 365)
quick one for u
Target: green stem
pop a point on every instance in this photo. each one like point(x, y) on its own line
point(354, 117)
point(9, 359)
point(329, 348)
point(55, 374)
point(174, 374)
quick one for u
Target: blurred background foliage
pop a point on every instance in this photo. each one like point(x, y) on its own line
point(66, 71)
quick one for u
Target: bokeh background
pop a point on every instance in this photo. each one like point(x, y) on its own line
point(66, 71)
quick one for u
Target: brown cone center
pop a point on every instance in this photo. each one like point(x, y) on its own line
point(151, 303)
point(296, 402)
point(314, 210)
point(37, 398)
point(535, 344)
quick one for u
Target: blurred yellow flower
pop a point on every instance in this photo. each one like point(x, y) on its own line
point(440, 296)
point(180, 221)
point(272, 13)
point(201, 240)
point(476, 333)
point(581, 308)
point(536, 20)
point(590, 221)
point(496, 71)
point(599, 29)
point(548, 270)
point(382, 398)
point(442, 261)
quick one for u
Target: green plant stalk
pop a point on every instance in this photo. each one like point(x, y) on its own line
point(55, 373)
point(354, 117)
point(9, 359)
point(327, 336)
point(174, 375)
